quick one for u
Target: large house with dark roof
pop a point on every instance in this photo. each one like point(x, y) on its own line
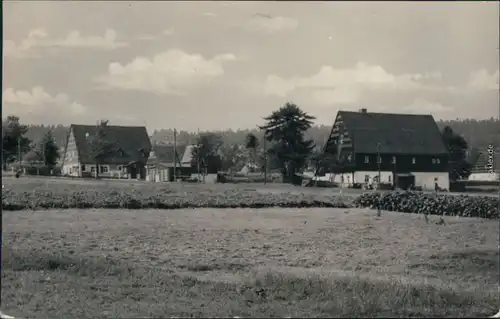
point(130, 151)
point(404, 149)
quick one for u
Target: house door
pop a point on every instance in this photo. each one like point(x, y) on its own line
point(405, 181)
point(133, 171)
point(141, 171)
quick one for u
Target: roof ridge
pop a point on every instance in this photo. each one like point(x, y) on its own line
point(397, 132)
point(124, 126)
point(386, 113)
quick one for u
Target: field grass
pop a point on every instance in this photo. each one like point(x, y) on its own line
point(33, 182)
point(39, 193)
point(28, 183)
point(246, 262)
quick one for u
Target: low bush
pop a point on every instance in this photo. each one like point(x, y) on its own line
point(163, 199)
point(20, 196)
point(433, 204)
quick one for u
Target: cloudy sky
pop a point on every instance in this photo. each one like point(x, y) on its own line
point(214, 65)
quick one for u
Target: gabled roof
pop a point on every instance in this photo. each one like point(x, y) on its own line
point(131, 142)
point(396, 133)
point(188, 154)
point(484, 162)
point(164, 154)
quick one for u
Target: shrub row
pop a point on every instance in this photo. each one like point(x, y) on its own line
point(139, 200)
point(80, 196)
point(434, 204)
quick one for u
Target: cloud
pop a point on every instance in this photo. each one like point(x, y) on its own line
point(483, 80)
point(38, 106)
point(170, 72)
point(38, 102)
point(210, 14)
point(423, 106)
point(346, 86)
point(76, 40)
point(345, 95)
point(147, 37)
point(24, 48)
point(39, 38)
point(169, 31)
point(270, 24)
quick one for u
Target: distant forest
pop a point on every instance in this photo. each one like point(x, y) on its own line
point(478, 133)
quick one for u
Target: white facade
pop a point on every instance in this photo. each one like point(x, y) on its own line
point(116, 171)
point(426, 180)
point(359, 177)
point(367, 177)
point(70, 169)
point(484, 177)
point(422, 179)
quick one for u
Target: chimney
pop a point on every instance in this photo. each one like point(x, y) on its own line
point(362, 111)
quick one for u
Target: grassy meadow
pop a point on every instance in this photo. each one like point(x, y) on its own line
point(277, 262)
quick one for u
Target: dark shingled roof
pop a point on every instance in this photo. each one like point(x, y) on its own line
point(130, 139)
point(396, 133)
point(164, 154)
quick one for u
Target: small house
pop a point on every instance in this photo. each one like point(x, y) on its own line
point(127, 157)
point(487, 166)
point(164, 159)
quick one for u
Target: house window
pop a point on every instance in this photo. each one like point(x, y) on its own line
point(394, 160)
point(390, 178)
point(342, 178)
point(92, 169)
point(367, 159)
point(104, 169)
point(119, 168)
point(436, 161)
point(413, 161)
point(83, 168)
point(367, 178)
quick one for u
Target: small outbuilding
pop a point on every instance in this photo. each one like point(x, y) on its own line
point(165, 159)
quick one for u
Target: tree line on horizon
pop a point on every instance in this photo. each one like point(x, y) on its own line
point(479, 134)
point(292, 144)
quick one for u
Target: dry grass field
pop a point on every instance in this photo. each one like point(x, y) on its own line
point(246, 262)
point(33, 182)
point(39, 182)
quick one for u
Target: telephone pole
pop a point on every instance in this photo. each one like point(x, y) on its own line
point(175, 155)
point(379, 161)
point(265, 160)
point(19, 151)
point(198, 156)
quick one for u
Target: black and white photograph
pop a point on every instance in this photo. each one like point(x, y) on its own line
point(250, 159)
